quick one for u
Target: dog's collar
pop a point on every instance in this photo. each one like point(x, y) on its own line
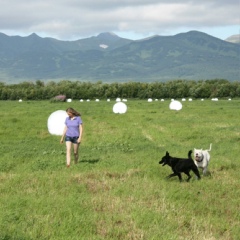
point(200, 159)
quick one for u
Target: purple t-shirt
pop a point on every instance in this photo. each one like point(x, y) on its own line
point(73, 126)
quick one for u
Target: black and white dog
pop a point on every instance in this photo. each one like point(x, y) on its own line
point(202, 158)
point(180, 165)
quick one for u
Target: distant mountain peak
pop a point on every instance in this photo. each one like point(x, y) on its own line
point(107, 35)
point(33, 35)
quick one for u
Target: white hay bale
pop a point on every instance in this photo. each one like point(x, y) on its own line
point(175, 105)
point(120, 107)
point(56, 122)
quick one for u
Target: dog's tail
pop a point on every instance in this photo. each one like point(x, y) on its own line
point(189, 154)
point(210, 148)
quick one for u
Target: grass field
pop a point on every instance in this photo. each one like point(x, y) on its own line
point(118, 190)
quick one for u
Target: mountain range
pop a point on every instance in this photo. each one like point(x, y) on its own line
point(109, 58)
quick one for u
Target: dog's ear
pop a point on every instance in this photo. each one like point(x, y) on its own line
point(167, 153)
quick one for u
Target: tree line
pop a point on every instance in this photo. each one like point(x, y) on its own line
point(39, 90)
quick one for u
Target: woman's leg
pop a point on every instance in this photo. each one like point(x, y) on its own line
point(75, 148)
point(68, 152)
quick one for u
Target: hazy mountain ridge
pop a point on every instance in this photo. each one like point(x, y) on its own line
point(234, 39)
point(107, 57)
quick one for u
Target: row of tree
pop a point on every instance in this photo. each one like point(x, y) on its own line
point(39, 90)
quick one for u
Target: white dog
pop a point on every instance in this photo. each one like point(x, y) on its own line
point(202, 158)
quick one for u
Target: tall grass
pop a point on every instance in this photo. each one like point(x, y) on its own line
point(118, 190)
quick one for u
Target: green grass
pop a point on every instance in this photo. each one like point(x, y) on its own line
point(118, 190)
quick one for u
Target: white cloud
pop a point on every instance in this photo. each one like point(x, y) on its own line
point(74, 19)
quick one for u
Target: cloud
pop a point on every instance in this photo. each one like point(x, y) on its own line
point(69, 19)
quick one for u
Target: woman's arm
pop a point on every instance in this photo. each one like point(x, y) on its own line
point(80, 132)
point(64, 133)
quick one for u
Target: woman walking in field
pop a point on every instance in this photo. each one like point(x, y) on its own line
point(73, 134)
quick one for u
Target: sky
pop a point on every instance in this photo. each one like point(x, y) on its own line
point(132, 19)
